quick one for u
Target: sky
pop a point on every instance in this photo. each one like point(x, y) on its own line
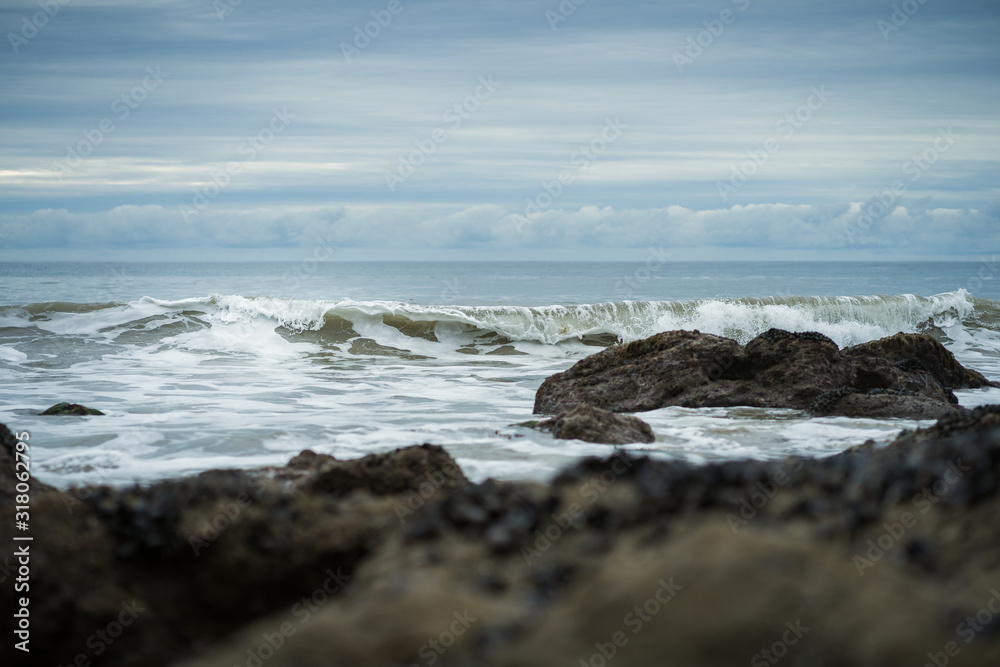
point(522, 129)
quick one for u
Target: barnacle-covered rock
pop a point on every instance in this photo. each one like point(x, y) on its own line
point(920, 352)
point(907, 376)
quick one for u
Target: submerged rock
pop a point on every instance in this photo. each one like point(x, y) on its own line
point(778, 369)
point(70, 409)
point(590, 424)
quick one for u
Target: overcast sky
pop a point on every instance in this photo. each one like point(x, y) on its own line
point(841, 129)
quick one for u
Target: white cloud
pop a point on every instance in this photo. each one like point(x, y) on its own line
point(913, 228)
point(658, 184)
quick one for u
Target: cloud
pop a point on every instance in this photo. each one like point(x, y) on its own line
point(909, 228)
point(354, 121)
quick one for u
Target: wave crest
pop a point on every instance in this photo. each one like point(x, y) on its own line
point(848, 320)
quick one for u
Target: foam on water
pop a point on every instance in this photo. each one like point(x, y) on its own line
point(847, 320)
point(230, 380)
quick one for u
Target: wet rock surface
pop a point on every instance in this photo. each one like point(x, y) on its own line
point(906, 375)
point(590, 424)
point(879, 555)
point(397, 471)
point(74, 409)
point(922, 353)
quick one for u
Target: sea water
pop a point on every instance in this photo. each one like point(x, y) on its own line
point(201, 366)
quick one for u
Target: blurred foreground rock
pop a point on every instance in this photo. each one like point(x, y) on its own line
point(877, 556)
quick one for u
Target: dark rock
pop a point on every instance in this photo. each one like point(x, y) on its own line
point(642, 375)
point(201, 556)
point(590, 424)
point(70, 409)
point(920, 352)
point(878, 405)
point(780, 369)
point(397, 471)
point(873, 552)
point(752, 550)
point(979, 422)
point(10, 470)
point(8, 449)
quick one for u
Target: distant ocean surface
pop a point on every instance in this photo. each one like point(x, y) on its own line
point(205, 365)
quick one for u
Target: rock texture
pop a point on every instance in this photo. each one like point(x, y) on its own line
point(585, 422)
point(880, 555)
point(397, 471)
point(805, 371)
point(70, 409)
point(921, 353)
point(205, 555)
point(656, 563)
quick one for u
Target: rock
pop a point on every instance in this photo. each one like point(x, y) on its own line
point(70, 409)
point(882, 405)
point(9, 469)
point(980, 422)
point(203, 556)
point(397, 471)
point(710, 597)
point(415, 626)
point(639, 560)
point(779, 369)
point(590, 424)
point(921, 352)
point(643, 375)
point(873, 557)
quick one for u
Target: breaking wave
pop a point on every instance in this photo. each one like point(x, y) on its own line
point(848, 320)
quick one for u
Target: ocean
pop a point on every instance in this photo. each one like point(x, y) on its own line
point(216, 365)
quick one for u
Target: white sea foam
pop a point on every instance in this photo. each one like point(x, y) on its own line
point(8, 353)
point(228, 380)
point(847, 320)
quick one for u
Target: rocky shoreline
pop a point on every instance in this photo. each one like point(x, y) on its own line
point(880, 555)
